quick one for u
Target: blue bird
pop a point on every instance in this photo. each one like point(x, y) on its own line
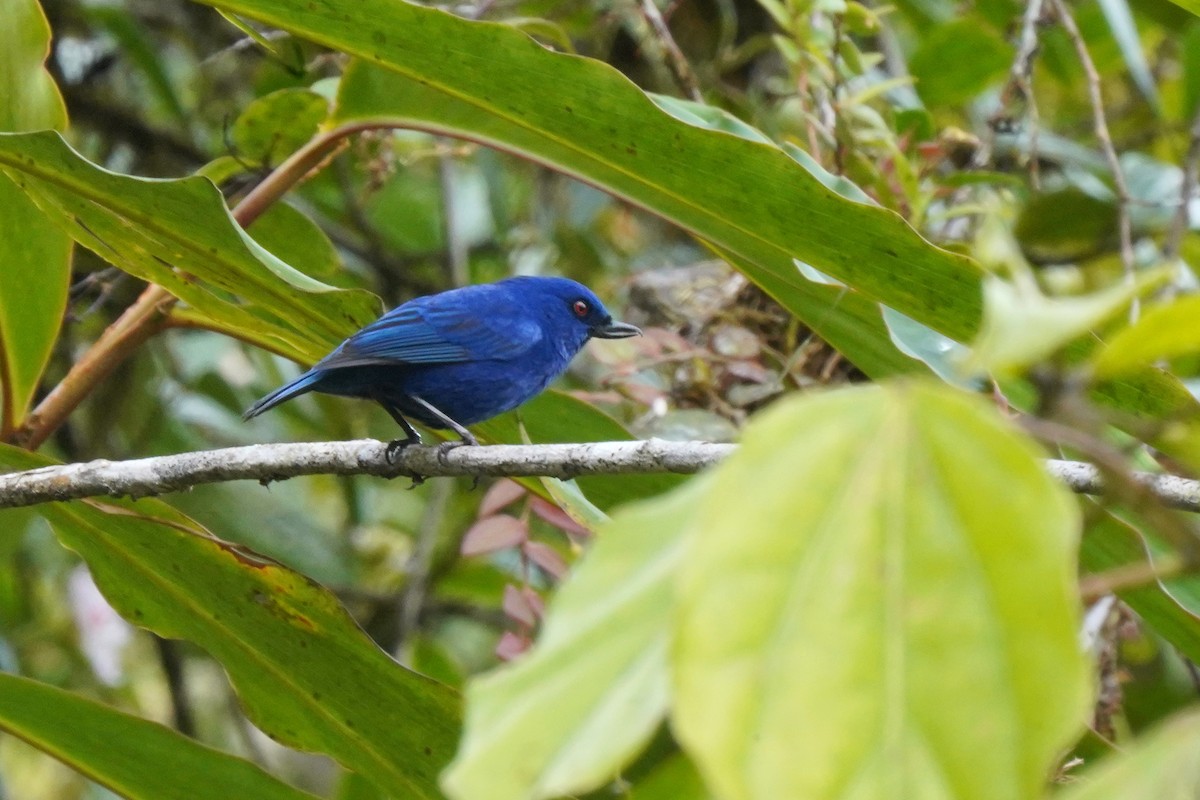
point(452, 359)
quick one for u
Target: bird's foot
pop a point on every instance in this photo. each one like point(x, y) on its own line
point(445, 447)
point(396, 446)
point(467, 441)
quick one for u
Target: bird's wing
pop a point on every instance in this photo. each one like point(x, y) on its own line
point(436, 333)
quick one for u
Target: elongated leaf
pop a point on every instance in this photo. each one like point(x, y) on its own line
point(878, 601)
point(1124, 30)
point(1164, 331)
point(486, 82)
point(178, 234)
point(34, 252)
point(566, 717)
point(1022, 326)
point(304, 671)
point(134, 758)
point(1171, 609)
point(1162, 765)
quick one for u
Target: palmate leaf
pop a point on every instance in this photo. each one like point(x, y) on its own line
point(878, 601)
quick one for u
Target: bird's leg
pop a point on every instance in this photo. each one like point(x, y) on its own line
point(411, 436)
point(466, 436)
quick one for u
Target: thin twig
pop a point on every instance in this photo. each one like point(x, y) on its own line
point(1100, 125)
point(148, 315)
point(674, 57)
point(271, 462)
point(1020, 79)
point(412, 599)
point(1191, 174)
point(1130, 576)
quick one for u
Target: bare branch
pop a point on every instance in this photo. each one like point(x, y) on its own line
point(1170, 490)
point(1100, 124)
point(1187, 188)
point(272, 462)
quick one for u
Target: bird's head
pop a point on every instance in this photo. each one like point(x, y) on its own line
point(574, 307)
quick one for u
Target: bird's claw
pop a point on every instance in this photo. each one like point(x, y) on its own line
point(445, 447)
point(396, 446)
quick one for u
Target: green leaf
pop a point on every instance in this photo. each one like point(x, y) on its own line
point(675, 779)
point(1124, 30)
point(29, 100)
point(35, 253)
point(1161, 765)
point(979, 58)
point(1170, 609)
point(1022, 326)
point(879, 601)
point(297, 240)
point(569, 715)
point(1066, 225)
point(272, 127)
point(178, 234)
point(306, 674)
point(1164, 331)
point(130, 756)
point(486, 82)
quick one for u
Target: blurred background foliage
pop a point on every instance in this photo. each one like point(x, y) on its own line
point(928, 107)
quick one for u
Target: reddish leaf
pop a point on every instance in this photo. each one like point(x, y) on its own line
point(535, 601)
point(500, 495)
point(517, 606)
point(559, 518)
point(546, 557)
point(494, 533)
point(511, 645)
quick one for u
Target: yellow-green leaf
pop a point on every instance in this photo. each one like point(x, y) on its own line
point(878, 601)
point(1164, 331)
point(1161, 765)
point(572, 712)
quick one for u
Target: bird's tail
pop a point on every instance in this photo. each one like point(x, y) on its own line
point(284, 393)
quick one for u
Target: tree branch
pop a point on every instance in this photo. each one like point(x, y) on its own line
point(273, 462)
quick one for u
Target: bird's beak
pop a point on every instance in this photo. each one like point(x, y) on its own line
point(616, 330)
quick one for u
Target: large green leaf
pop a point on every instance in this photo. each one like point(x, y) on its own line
point(1169, 607)
point(306, 674)
point(179, 234)
point(34, 252)
point(1164, 331)
point(566, 717)
point(133, 757)
point(1162, 765)
point(492, 84)
point(878, 601)
point(1191, 5)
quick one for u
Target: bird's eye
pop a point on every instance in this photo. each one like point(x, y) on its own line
point(580, 307)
